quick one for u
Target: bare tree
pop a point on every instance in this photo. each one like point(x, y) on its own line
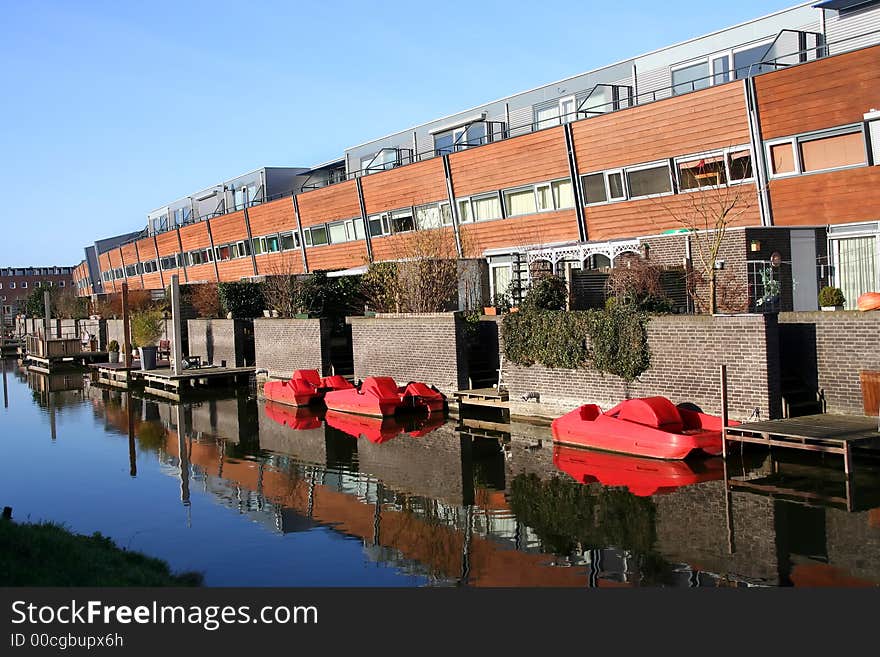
point(707, 211)
point(281, 286)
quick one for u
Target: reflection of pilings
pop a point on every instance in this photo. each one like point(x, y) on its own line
point(467, 471)
point(5, 388)
point(132, 456)
point(377, 514)
point(466, 545)
point(183, 457)
point(595, 568)
point(728, 510)
point(260, 468)
point(311, 505)
point(52, 428)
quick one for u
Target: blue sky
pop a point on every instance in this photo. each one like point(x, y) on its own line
point(111, 109)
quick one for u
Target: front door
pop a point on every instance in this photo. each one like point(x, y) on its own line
point(803, 269)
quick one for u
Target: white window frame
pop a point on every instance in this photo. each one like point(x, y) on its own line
point(725, 155)
point(484, 195)
point(516, 190)
point(568, 117)
point(796, 140)
point(12, 285)
point(294, 235)
point(24, 285)
point(605, 176)
point(642, 167)
point(384, 219)
point(689, 64)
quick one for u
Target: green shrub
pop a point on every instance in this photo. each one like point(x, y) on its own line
point(547, 293)
point(831, 296)
point(113, 346)
point(243, 299)
point(611, 341)
point(146, 328)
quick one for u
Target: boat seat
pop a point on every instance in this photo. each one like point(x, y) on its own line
point(656, 412)
point(309, 376)
point(381, 387)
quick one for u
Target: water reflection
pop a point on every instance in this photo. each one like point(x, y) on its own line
point(475, 502)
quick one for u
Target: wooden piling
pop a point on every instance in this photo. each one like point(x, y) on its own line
point(724, 411)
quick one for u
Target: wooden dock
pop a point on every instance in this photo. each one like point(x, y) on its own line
point(164, 383)
point(830, 434)
point(482, 397)
point(117, 375)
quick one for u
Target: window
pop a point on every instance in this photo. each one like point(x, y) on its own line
point(563, 194)
point(460, 138)
point(720, 69)
point(520, 201)
point(24, 285)
point(337, 232)
point(745, 62)
point(273, 244)
point(464, 211)
point(544, 198)
point(385, 159)
point(833, 152)
point(379, 225)
point(258, 245)
point(485, 207)
point(289, 241)
point(12, 285)
point(690, 78)
point(707, 171)
point(547, 117)
point(60, 283)
point(649, 180)
point(739, 165)
point(402, 221)
point(782, 158)
point(222, 253)
point(316, 235)
point(603, 187)
point(820, 151)
point(433, 215)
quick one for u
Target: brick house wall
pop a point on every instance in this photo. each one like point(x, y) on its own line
point(431, 348)
point(844, 342)
point(217, 340)
point(285, 345)
point(686, 354)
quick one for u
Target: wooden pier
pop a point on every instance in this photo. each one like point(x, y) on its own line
point(482, 397)
point(830, 434)
point(168, 385)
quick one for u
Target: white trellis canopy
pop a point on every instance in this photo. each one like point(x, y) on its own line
point(581, 252)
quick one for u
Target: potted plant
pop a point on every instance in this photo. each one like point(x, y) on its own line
point(113, 351)
point(146, 329)
point(831, 298)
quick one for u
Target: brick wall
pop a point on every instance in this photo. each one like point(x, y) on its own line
point(286, 345)
point(686, 353)
point(216, 340)
point(428, 347)
point(843, 342)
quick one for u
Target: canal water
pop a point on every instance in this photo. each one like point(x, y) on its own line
point(255, 494)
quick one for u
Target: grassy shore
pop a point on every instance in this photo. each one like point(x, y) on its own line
point(47, 554)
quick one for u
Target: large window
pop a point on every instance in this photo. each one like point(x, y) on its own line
point(542, 197)
point(520, 201)
point(379, 224)
point(480, 208)
point(821, 151)
point(433, 215)
point(603, 187)
point(402, 221)
point(712, 169)
point(336, 232)
point(690, 78)
point(455, 139)
point(857, 266)
point(649, 180)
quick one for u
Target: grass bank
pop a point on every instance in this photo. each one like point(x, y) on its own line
point(47, 554)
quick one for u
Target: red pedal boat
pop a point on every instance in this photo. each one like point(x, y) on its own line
point(643, 477)
point(300, 418)
point(381, 396)
point(304, 388)
point(650, 426)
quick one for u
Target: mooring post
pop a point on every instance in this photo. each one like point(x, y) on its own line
point(176, 330)
point(47, 314)
point(724, 411)
point(126, 327)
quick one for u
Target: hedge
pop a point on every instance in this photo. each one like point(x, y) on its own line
point(611, 341)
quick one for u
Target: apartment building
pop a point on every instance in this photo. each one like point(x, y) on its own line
point(16, 283)
point(782, 110)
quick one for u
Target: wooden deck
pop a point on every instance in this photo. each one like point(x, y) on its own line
point(831, 434)
point(163, 382)
point(482, 397)
point(117, 375)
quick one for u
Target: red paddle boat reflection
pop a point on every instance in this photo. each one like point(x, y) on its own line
point(642, 476)
point(382, 429)
point(300, 418)
point(650, 426)
point(304, 387)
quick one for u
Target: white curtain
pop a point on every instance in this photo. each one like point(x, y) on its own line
point(857, 267)
point(487, 208)
point(521, 202)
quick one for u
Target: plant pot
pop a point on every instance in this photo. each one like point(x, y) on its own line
point(275, 313)
point(267, 313)
point(490, 310)
point(148, 358)
point(301, 316)
point(229, 315)
point(113, 357)
point(831, 308)
point(870, 382)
